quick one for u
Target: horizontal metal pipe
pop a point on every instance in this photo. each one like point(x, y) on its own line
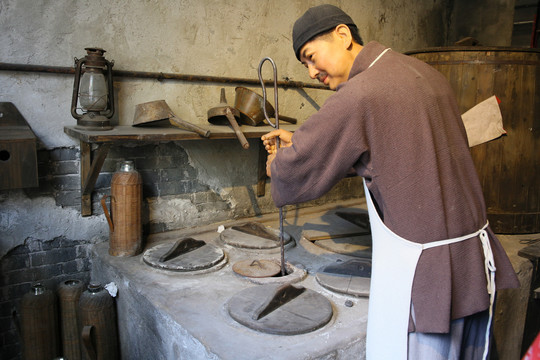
point(162, 76)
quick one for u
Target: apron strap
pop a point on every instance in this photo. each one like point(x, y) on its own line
point(458, 239)
point(489, 267)
point(378, 57)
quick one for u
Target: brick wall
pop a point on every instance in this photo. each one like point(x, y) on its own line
point(49, 262)
point(164, 168)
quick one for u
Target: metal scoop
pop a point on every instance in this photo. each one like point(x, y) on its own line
point(158, 110)
point(250, 105)
point(224, 113)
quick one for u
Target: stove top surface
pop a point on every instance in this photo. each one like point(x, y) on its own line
point(179, 314)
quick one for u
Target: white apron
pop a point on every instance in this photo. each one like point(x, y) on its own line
point(393, 267)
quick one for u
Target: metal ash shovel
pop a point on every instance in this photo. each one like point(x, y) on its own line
point(224, 113)
point(276, 126)
point(158, 110)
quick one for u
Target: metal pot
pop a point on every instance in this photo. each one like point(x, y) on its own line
point(250, 105)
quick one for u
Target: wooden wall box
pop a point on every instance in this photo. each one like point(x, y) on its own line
point(18, 156)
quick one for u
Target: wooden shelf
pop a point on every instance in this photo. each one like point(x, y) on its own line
point(91, 167)
point(156, 133)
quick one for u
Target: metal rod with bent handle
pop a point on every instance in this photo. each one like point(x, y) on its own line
point(275, 126)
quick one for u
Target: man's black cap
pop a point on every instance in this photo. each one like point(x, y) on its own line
point(315, 21)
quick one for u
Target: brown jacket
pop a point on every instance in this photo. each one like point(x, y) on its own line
point(398, 125)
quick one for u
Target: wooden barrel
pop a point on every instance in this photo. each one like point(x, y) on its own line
point(69, 293)
point(39, 324)
point(97, 324)
point(508, 167)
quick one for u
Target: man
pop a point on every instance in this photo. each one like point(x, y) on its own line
point(395, 120)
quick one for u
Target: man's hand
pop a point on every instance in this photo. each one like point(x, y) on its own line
point(269, 163)
point(269, 140)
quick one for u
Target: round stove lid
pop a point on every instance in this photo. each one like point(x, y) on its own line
point(280, 309)
point(253, 235)
point(357, 246)
point(257, 268)
point(351, 277)
point(184, 255)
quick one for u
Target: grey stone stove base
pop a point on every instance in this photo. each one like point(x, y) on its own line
point(167, 315)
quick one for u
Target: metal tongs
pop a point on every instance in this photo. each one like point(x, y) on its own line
point(275, 126)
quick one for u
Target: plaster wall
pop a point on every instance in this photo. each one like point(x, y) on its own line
point(492, 26)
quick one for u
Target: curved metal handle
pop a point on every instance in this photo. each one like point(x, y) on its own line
point(88, 341)
point(276, 124)
point(106, 210)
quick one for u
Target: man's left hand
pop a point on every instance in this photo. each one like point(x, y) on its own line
point(269, 163)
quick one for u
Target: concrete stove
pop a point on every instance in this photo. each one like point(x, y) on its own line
point(184, 315)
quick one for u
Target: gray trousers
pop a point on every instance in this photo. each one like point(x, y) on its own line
point(465, 341)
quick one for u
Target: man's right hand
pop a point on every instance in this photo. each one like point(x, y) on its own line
point(269, 140)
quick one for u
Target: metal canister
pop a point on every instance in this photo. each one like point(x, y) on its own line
point(125, 216)
point(69, 293)
point(98, 328)
point(39, 324)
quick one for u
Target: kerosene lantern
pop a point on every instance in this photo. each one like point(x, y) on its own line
point(93, 91)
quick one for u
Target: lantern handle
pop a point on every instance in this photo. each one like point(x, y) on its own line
point(74, 97)
point(110, 97)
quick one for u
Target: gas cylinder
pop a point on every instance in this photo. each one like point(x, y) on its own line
point(125, 236)
point(69, 293)
point(97, 323)
point(39, 324)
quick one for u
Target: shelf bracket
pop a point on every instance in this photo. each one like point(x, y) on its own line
point(89, 170)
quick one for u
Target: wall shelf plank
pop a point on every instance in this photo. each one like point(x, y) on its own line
point(90, 166)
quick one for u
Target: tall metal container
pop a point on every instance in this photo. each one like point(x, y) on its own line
point(69, 293)
point(39, 324)
point(509, 167)
point(125, 216)
point(98, 328)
